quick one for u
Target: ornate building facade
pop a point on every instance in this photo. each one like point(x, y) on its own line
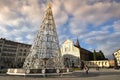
point(73, 54)
point(116, 54)
point(12, 54)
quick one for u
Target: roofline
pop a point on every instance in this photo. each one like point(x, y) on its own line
point(14, 41)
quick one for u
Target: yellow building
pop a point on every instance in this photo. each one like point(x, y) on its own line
point(98, 63)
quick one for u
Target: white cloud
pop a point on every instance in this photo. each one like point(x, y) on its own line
point(3, 29)
point(61, 19)
point(30, 37)
point(21, 18)
point(116, 25)
point(104, 39)
point(96, 13)
point(19, 39)
point(98, 35)
point(76, 27)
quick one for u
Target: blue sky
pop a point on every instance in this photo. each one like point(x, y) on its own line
point(96, 23)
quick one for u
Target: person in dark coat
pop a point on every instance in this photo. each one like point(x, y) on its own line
point(86, 68)
point(82, 65)
point(73, 64)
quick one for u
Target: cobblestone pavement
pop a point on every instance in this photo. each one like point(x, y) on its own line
point(102, 74)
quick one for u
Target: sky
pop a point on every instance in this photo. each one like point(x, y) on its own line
point(96, 23)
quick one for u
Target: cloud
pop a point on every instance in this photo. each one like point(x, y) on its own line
point(94, 12)
point(116, 25)
point(76, 27)
point(19, 39)
point(95, 22)
point(16, 18)
point(104, 39)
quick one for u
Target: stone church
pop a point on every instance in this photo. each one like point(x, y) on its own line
point(73, 54)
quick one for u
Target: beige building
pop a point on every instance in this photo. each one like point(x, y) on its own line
point(73, 53)
point(117, 57)
point(98, 63)
point(21, 53)
point(112, 63)
point(12, 54)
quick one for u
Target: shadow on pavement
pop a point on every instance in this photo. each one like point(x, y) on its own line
point(72, 75)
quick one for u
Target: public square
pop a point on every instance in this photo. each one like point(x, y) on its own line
point(59, 40)
point(102, 74)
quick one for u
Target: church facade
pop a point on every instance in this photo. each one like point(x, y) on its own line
point(73, 54)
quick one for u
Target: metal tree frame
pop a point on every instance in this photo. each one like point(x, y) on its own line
point(45, 51)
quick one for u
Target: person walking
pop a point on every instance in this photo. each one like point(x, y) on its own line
point(82, 65)
point(86, 68)
point(97, 68)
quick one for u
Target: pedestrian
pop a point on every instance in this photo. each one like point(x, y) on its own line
point(97, 68)
point(82, 65)
point(86, 68)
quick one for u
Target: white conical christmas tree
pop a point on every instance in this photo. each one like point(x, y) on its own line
point(45, 51)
